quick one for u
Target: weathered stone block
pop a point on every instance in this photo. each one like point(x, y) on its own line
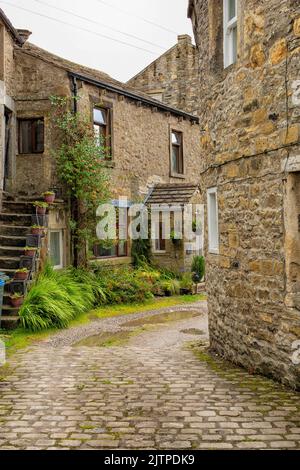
point(278, 52)
point(297, 26)
point(257, 56)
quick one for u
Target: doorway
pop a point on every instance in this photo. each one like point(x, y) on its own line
point(7, 147)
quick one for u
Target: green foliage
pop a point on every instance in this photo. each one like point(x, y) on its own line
point(58, 297)
point(40, 204)
point(81, 168)
point(186, 281)
point(169, 287)
point(198, 266)
point(141, 252)
point(123, 285)
point(54, 300)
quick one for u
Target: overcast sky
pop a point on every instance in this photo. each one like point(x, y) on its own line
point(75, 43)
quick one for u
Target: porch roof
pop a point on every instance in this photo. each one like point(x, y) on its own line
point(171, 194)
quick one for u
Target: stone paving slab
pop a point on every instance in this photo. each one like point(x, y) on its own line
point(152, 393)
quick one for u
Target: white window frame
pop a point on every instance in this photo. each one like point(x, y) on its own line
point(229, 26)
point(213, 226)
point(61, 247)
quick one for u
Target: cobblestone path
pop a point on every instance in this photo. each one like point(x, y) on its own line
point(151, 392)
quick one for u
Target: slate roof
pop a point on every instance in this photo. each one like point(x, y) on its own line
point(101, 79)
point(171, 194)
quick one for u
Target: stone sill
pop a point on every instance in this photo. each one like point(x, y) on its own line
point(112, 261)
point(177, 175)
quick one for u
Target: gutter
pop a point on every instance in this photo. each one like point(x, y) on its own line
point(134, 97)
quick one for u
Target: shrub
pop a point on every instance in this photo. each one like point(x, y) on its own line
point(141, 252)
point(186, 282)
point(198, 266)
point(55, 299)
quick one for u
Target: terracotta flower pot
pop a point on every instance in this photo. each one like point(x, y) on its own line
point(37, 231)
point(17, 302)
point(20, 276)
point(30, 253)
point(41, 210)
point(50, 198)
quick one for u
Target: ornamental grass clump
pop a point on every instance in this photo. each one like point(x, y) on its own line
point(55, 299)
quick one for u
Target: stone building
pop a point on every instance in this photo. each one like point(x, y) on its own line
point(150, 143)
point(249, 109)
point(173, 77)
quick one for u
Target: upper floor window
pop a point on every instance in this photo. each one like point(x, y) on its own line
point(230, 32)
point(31, 136)
point(213, 221)
point(177, 153)
point(102, 129)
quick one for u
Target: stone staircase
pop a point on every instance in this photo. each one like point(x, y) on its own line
point(15, 222)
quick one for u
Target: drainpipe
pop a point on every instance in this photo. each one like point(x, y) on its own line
point(74, 201)
point(75, 94)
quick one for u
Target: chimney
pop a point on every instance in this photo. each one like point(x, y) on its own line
point(184, 39)
point(24, 34)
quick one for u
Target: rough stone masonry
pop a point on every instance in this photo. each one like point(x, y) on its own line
point(250, 115)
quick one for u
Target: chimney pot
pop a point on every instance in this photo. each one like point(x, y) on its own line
point(185, 38)
point(24, 34)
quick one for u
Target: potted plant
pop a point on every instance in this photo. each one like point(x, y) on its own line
point(41, 207)
point(16, 300)
point(186, 284)
point(37, 230)
point(30, 251)
point(49, 197)
point(21, 274)
point(198, 268)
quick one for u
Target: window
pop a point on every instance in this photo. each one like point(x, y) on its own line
point(31, 136)
point(118, 250)
point(177, 153)
point(159, 244)
point(230, 32)
point(102, 129)
point(213, 224)
point(56, 248)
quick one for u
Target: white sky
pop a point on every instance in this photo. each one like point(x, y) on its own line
point(118, 60)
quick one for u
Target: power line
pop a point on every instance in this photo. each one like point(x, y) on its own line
point(80, 28)
point(98, 24)
point(138, 17)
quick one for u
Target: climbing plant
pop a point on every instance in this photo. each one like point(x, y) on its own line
point(81, 168)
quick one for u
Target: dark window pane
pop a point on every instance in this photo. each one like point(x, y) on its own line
point(175, 158)
point(31, 136)
point(177, 153)
point(39, 136)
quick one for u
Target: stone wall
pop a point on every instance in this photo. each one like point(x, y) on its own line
point(174, 76)
point(250, 113)
point(6, 101)
point(141, 134)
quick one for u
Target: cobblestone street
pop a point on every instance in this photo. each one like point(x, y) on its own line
point(152, 391)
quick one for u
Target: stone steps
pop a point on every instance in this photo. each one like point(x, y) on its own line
point(16, 219)
point(11, 251)
point(10, 240)
point(9, 322)
point(14, 230)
